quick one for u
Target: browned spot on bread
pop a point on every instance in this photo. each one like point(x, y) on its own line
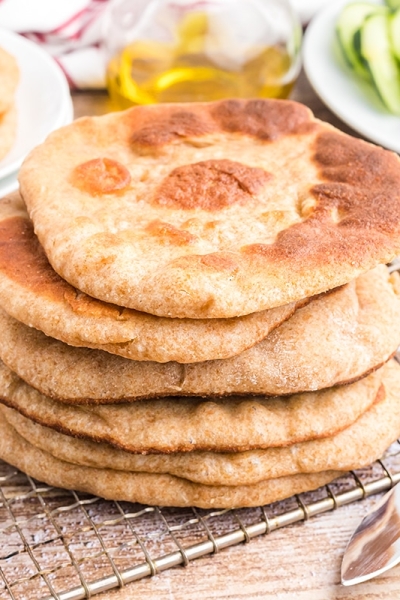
point(365, 183)
point(22, 259)
point(180, 124)
point(101, 176)
point(265, 119)
point(361, 193)
point(220, 262)
point(210, 185)
point(82, 304)
point(381, 394)
point(215, 261)
point(308, 244)
point(166, 232)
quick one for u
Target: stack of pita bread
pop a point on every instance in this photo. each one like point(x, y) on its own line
point(195, 307)
point(9, 77)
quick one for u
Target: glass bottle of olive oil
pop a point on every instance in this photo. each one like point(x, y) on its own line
point(188, 50)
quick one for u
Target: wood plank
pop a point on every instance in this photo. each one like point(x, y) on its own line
point(300, 562)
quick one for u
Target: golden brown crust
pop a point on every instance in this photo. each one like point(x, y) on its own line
point(262, 119)
point(101, 176)
point(210, 185)
point(18, 244)
point(266, 120)
point(152, 131)
point(363, 179)
point(297, 207)
point(169, 234)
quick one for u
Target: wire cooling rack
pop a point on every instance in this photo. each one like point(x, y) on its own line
point(68, 546)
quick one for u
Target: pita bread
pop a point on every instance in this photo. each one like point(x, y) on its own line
point(360, 444)
point(211, 210)
point(183, 425)
point(8, 130)
point(148, 488)
point(337, 338)
point(9, 77)
point(32, 292)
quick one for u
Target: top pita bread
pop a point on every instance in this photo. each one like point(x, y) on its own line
point(211, 210)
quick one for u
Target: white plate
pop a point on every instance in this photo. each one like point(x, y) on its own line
point(10, 182)
point(42, 98)
point(349, 97)
point(306, 9)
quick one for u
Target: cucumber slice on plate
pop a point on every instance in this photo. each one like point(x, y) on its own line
point(393, 4)
point(394, 33)
point(377, 53)
point(348, 27)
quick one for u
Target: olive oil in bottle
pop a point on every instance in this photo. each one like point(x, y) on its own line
point(203, 57)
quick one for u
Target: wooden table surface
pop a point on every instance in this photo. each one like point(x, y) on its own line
point(300, 562)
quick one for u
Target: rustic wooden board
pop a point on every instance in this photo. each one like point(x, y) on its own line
point(54, 540)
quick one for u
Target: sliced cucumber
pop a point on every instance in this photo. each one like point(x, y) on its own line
point(357, 50)
point(394, 33)
point(393, 4)
point(348, 27)
point(377, 52)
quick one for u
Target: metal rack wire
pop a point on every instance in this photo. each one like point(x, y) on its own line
point(50, 537)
